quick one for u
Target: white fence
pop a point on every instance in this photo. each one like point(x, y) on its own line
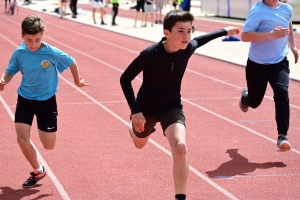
point(240, 8)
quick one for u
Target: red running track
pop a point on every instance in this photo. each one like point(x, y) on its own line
point(232, 154)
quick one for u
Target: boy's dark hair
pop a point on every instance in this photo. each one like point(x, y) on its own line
point(174, 16)
point(33, 24)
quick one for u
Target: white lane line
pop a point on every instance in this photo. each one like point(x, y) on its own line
point(50, 173)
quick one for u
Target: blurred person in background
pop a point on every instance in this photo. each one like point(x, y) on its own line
point(13, 5)
point(139, 6)
point(73, 7)
point(115, 9)
point(98, 4)
point(63, 8)
point(159, 4)
point(149, 10)
point(7, 2)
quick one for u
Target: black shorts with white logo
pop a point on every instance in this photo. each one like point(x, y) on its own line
point(45, 112)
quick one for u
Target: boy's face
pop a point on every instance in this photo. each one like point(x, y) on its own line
point(180, 35)
point(33, 42)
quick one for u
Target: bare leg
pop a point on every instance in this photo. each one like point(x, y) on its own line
point(64, 7)
point(62, 10)
point(23, 138)
point(5, 6)
point(135, 19)
point(102, 11)
point(152, 18)
point(177, 139)
point(160, 15)
point(48, 139)
point(138, 142)
point(93, 11)
point(143, 18)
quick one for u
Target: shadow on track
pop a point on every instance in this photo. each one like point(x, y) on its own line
point(239, 165)
point(9, 193)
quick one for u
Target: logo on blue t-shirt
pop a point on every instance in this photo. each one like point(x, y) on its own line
point(45, 64)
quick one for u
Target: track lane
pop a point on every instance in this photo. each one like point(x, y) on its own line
point(159, 135)
point(151, 162)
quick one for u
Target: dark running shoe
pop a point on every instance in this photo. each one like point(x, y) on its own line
point(34, 178)
point(243, 107)
point(283, 144)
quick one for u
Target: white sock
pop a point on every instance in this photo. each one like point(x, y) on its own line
point(40, 169)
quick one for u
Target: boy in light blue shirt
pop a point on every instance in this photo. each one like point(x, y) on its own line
point(269, 28)
point(39, 64)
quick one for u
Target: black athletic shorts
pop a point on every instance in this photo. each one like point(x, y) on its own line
point(140, 5)
point(45, 112)
point(166, 118)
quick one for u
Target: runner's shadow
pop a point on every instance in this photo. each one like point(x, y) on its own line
point(9, 193)
point(239, 165)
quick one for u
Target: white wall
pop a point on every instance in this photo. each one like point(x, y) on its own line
point(240, 8)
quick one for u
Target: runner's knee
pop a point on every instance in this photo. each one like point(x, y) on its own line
point(49, 146)
point(139, 145)
point(179, 150)
point(23, 141)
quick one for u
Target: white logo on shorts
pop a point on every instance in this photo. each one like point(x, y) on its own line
point(50, 128)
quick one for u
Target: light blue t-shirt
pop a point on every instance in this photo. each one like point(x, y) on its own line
point(263, 18)
point(39, 70)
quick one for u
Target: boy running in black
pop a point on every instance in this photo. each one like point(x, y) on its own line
point(159, 100)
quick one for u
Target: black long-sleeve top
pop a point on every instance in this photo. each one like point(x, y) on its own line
point(162, 76)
